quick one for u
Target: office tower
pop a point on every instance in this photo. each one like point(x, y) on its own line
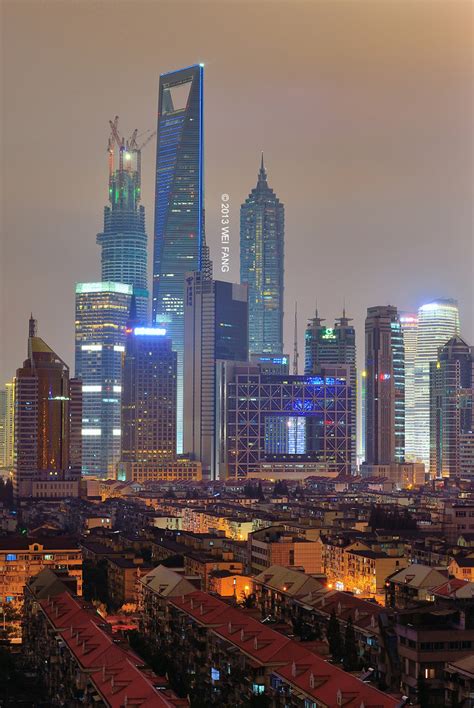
point(179, 244)
point(385, 381)
point(251, 404)
point(3, 428)
point(438, 321)
point(148, 401)
point(102, 313)
point(361, 418)
point(409, 324)
point(215, 328)
point(451, 400)
point(333, 346)
point(262, 228)
point(46, 418)
point(124, 240)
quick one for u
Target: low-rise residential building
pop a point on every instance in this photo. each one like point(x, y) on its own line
point(277, 546)
point(123, 575)
point(413, 584)
point(429, 637)
point(462, 567)
point(228, 657)
point(22, 557)
point(79, 662)
point(460, 682)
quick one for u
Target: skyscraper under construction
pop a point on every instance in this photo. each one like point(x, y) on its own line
point(124, 240)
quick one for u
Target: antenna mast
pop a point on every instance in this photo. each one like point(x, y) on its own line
point(295, 344)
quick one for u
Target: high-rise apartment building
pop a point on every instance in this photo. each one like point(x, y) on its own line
point(215, 328)
point(333, 346)
point(123, 240)
point(385, 386)
point(148, 401)
point(451, 403)
point(179, 243)
point(102, 314)
point(438, 321)
point(47, 424)
point(7, 425)
point(262, 229)
point(409, 324)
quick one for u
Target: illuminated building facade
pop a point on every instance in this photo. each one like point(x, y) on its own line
point(333, 346)
point(438, 321)
point(7, 425)
point(262, 230)
point(179, 243)
point(252, 403)
point(215, 329)
point(102, 313)
point(409, 324)
point(47, 424)
point(385, 386)
point(124, 240)
point(148, 399)
point(451, 401)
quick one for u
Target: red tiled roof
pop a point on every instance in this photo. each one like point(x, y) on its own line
point(291, 660)
point(115, 671)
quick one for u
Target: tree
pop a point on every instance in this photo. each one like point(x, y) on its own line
point(351, 659)
point(334, 638)
point(260, 494)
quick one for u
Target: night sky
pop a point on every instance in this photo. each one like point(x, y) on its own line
point(364, 111)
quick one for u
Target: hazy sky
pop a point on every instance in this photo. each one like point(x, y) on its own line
point(364, 111)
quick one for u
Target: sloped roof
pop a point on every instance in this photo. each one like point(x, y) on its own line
point(166, 582)
point(419, 576)
point(117, 673)
point(291, 582)
point(308, 672)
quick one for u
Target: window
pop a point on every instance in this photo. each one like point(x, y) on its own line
point(11, 556)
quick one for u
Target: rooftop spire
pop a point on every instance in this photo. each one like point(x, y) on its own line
point(33, 326)
point(295, 344)
point(262, 175)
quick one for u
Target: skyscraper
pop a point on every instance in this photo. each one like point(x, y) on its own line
point(124, 240)
point(215, 328)
point(148, 400)
point(102, 313)
point(333, 346)
point(179, 243)
point(47, 424)
point(451, 403)
point(409, 324)
point(7, 425)
point(262, 228)
point(438, 321)
point(385, 386)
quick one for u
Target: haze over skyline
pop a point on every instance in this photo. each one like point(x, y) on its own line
point(363, 110)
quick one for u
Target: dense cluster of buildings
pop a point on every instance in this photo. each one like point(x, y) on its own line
point(193, 522)
point(201, 387)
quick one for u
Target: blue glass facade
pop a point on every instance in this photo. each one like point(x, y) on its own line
point(262, 227)
point(179, 242)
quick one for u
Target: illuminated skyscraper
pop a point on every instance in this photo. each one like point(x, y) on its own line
point(7, 425)
point(451, 403)
point(124, 240)
point(179, 244)
point(148, 401)
point(102, 313)
point(215, 329)
point(47, 424)
point(409, 323)
point(385, 386)
point(332, 346)
point(438, 321)
point(262, 228)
